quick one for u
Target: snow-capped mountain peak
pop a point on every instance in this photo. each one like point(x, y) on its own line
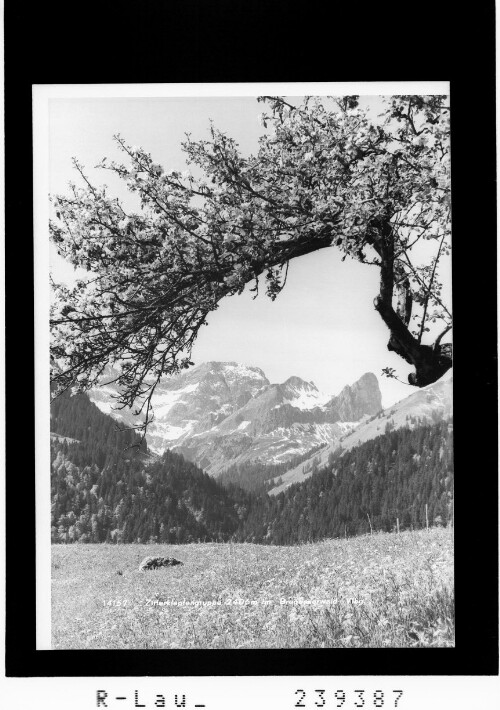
point(303, 395)
point(219, 413)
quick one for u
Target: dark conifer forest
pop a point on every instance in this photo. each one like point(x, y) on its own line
point(107, 487)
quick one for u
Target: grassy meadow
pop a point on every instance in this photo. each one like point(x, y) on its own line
point(380, 590)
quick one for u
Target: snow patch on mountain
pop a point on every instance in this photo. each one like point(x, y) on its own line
point(243, 425)
point(308, 399)
point(170, 433)
point(165, 400)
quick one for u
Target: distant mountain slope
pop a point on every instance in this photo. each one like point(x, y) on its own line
point(403, 476)
point(223, 413)
point(429, 404)
point(259, 477)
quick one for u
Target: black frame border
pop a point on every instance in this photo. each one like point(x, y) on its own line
point(215, 51)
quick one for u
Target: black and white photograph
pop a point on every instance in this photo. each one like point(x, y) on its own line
point(251, 357)
point(251, 369)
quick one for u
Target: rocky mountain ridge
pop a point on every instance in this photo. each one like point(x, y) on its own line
point(220, 413)
point(428, 404)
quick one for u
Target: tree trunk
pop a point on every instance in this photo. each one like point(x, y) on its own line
point(430, 363)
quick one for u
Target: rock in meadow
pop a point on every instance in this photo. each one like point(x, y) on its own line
point(150, 563)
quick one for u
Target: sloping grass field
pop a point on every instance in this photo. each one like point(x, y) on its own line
point(381, 590)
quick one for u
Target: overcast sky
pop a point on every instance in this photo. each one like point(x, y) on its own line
point(322, 327)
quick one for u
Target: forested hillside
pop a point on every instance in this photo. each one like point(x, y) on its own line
point(98, 435)
point(392, 476)
point(107, 488)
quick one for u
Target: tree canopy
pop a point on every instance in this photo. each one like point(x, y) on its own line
point(326, 174)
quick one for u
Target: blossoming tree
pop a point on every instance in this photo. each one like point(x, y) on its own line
point(325, 175)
